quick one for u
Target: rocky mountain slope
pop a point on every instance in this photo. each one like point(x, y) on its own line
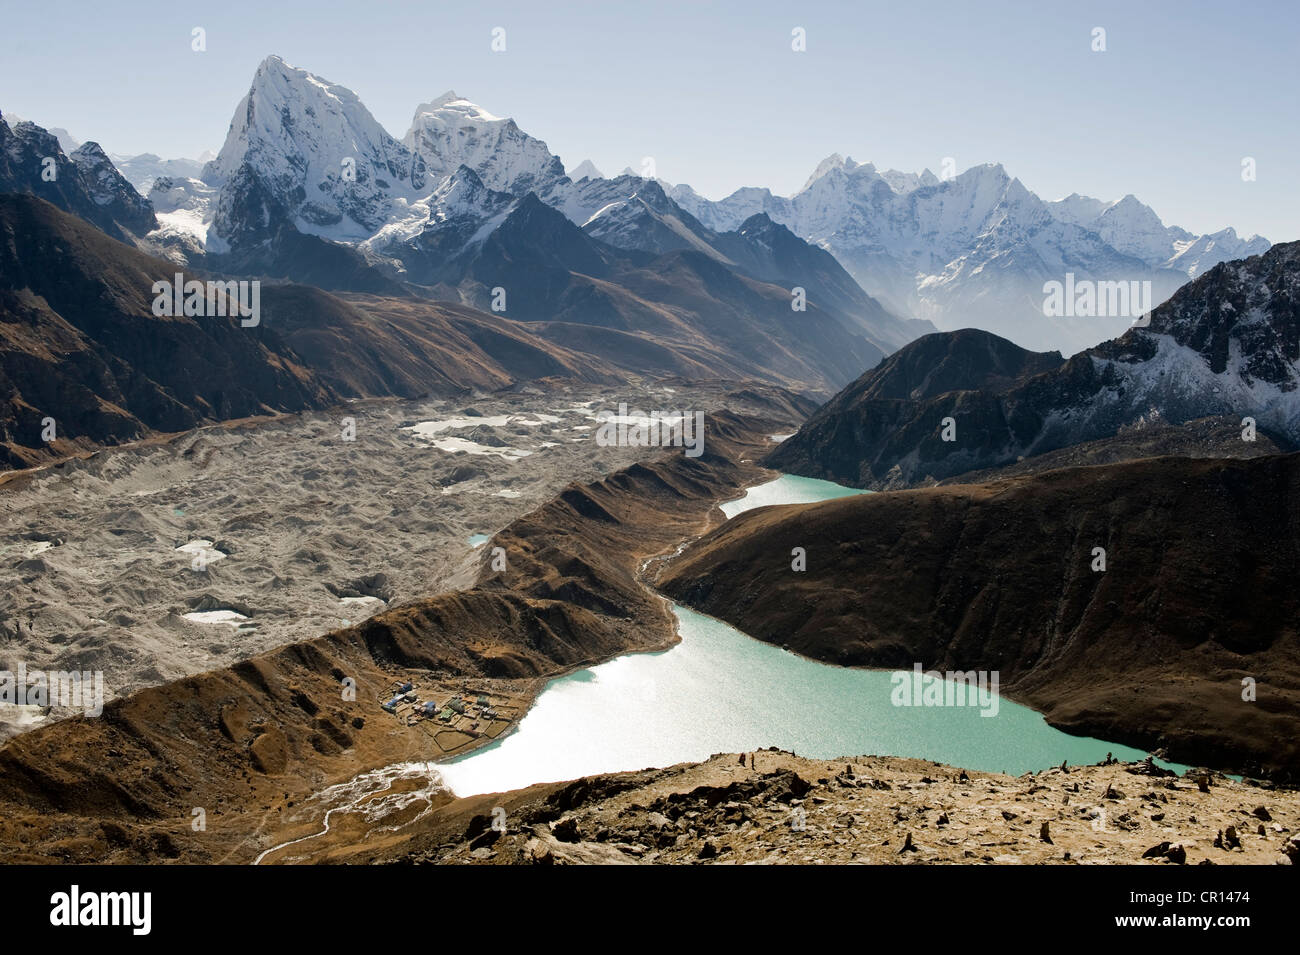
point(83, 182)
point(1150, 648)
point(1213, 437)
point(68, 290)
point(79, 344)
point(703, 313)
point(415, 347)
point(1228, 343)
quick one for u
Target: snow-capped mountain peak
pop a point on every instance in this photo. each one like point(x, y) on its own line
point(1078, 210)
point(904, 182)
point(832, 162)
point(317, 151)
point(449, 107)
point(451, 131)
point(972, 249)
point(585, 170)
point(1134, 228)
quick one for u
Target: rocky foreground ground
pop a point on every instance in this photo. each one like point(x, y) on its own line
point(873, 810)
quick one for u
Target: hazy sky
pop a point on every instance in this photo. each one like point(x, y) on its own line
point(715, 94)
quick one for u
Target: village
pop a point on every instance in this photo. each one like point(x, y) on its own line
point(464, 716)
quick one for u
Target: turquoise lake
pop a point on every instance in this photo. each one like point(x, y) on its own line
point(719, 690)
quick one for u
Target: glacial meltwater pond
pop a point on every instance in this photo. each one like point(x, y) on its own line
point(788, 489)
point(721, 691)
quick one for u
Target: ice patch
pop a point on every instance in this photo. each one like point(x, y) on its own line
point(452, 445)
point(216, 616)
point(427, 429)
point(205, 547)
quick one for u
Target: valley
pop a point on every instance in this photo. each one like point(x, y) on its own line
point(380, 495)
point(286, 765)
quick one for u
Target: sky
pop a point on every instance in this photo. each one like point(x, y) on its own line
point(1181, 95)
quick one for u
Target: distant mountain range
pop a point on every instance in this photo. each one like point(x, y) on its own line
point(971, 250)
point(631, 275)
point(381, 218)
point(975, 250)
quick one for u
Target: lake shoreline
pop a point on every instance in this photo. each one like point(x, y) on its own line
point(551, 744)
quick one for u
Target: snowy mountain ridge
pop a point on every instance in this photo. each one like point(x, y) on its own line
point(973, 249)
point(1225, 346)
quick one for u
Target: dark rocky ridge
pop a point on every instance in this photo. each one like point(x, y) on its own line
point(708, 318)
point(86, 184)
point(891, 416)
point(1214, 437)
point(1225, 345)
